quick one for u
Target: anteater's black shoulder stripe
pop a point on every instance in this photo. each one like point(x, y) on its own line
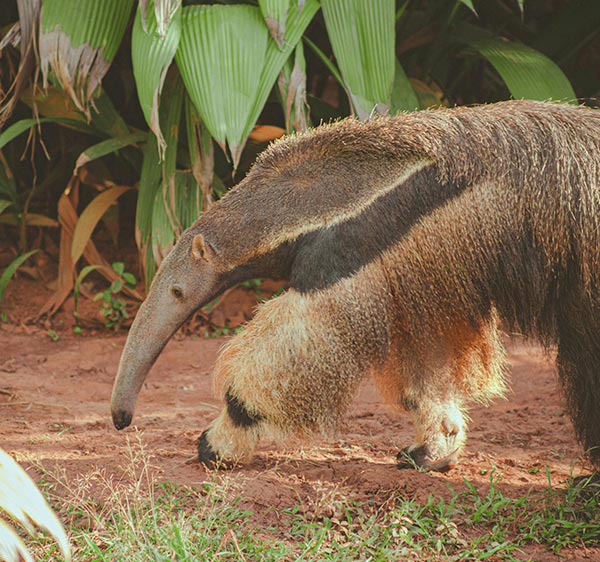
point(239, 414)
point(328, 255)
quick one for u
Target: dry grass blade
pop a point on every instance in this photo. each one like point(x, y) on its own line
point(201, 152)
point(28, 21)
point(67, 215)
point(90, 218)
point(51, 102)
point(164, 10)
point(29, 219)
point(292, 89)
point(275, 13)
point(21, 500)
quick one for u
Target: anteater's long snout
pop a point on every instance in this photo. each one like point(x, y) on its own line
point(121, 418)
point(148, 335)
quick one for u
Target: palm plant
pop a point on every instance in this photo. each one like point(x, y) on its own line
point(206, 74)
point(22, 501)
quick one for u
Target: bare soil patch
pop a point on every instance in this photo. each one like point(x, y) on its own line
point(54, 403)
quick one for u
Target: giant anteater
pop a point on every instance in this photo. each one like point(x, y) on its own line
point(404, 241)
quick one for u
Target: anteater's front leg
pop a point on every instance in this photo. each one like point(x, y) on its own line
point(441, 433)
point(232, 437)
point(293, 370)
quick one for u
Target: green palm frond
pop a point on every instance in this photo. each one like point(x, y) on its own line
point(363, 35)
point(78, 41)
point(22, 501)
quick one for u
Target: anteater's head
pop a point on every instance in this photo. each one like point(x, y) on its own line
point(190, 277)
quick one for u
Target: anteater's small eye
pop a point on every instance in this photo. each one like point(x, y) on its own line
point(177, 293)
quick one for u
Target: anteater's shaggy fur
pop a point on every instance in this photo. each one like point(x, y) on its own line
point(404, 241)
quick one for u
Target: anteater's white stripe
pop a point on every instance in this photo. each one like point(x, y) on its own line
point(328, 219)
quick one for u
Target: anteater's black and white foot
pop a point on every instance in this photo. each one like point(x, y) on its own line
point(419, 457)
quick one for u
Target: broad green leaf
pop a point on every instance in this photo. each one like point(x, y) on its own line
point(362, 35)
point(527, 73)
point(150, 265)
point(4, 205)
point(105, 117)
point(403, 94)
point(23, 502)
point(186, 201)
point(292, 89)
point(229, 71)
point(275, 13)
point(164, 12)
point(469, 4)
point(4, 280)
point(156, 175)
point(166, 230)
point(173, 120)
point(298, 19)
point(176, 207)
point(90, 216)
point(78, 41)
point(108, 146)
point(150, 180)
point(221, 56)
point(152, 54)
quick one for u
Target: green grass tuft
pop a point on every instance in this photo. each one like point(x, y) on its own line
point(134, 517)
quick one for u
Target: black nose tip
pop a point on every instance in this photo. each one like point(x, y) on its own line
point(121, 419)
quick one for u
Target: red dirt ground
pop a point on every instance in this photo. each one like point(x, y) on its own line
point(54, 403)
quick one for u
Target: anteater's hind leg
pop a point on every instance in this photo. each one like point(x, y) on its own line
point(578, 362)
point(293, 370)
point(437, 382)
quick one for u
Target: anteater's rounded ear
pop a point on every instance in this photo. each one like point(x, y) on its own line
point(200, 248)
